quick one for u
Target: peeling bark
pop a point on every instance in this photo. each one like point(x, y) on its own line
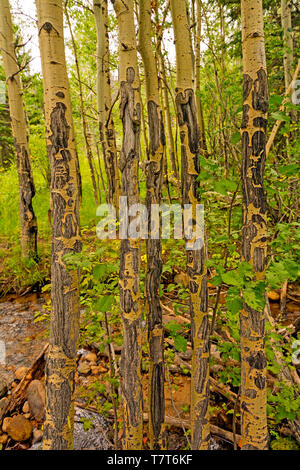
point(196, 259)
point(130, 113)
point(154, 175)
point(18, 123)
point(254, 230)
point(106, 124)
point(65, 194)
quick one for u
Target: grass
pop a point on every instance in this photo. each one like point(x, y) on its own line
point(18, 275)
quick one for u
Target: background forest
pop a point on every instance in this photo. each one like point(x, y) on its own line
point(214, 47)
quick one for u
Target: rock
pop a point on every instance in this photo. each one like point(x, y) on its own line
point(4, 424)
point(18, 428)
point(84, 368)
point(37, 436)
point(98, 370)
point(26, 408)
point(3, 439)
point(94, 438)
point(273, 295)
point(36, 446)
point(21, 372)
point(36, 399)
point(3, 405)
point(91, 357)
point(182, 278)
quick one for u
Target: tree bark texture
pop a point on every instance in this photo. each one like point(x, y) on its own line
point(254, 230)
point(18, 123)
point(196, 259)
point(65, 194)
point(106, 124)
point(130, 112)
point(154, 175)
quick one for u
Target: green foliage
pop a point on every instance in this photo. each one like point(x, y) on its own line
point(284, 443)
point(174, 330)
point(285, 404)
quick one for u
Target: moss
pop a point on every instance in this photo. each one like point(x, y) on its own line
point(284, 443)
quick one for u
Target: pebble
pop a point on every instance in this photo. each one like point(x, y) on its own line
point(26, 408)
point(3, 439)
point(18, 428)
point(84, 368)
point(37, 436)
point(98, 370)
point(36, 399)
point(3, 405)
point(91, 357)
point(273, 295)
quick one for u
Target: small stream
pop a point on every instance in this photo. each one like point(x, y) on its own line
point(21, 338)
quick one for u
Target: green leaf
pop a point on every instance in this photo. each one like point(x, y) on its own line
point(235, 138)
point(279, 116)
point(104, 304)
point(180, 343)
point(234, 305)
point(173, 327)
point(232, 278)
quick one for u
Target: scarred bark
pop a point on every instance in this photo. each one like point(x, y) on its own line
point(104, 102)
point(65, 193)
point(254, 231)
point(196, 259)
point(130, 112)
point(154, 174)
point(18, 124)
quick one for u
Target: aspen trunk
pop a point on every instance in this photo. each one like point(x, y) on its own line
point(88, 149)
point(254, 231)
point(167, 114)
point(130, 112)
point(196, 259)
point(106, 124)
point(154, 175)
point(286, 22)
point(197, 77)
point(18, 124)
point(288, 57)
point(65, 304)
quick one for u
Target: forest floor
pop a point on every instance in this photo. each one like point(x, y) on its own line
point(24, 321)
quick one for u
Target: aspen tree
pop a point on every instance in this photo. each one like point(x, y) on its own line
point(130, 112)
point(154, 174)
point(254, 230)
point(197, 75)
point(106, 124)
point(85, 127)
point(196, 259)
point(164, 89)
point(286, 22)
point(19, 131)
point(288, 57)
point(65, 193)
